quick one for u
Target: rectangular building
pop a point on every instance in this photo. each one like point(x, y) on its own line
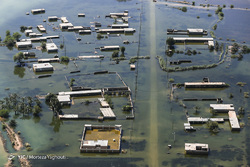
point(24, 44)
point(51, 47)
point(52, 18)
point(107, 48)
point(43, 67)
point(65, 25)
point(233, 120)
point(196, 148)
point(222, 107)
point(101, 138)
point(37, 11)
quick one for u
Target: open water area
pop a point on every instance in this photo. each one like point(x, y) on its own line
point(158, 118)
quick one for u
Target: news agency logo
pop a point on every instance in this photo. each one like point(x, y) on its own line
point(11, 157)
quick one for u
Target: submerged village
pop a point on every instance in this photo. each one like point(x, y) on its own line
point(120, 93)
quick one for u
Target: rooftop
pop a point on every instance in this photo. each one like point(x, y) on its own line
point(110, 135)
point(107, 113)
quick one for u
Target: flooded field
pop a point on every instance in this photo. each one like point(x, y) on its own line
point(160, 110)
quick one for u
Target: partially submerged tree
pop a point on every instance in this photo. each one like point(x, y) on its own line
point(115, 54)
point(212, 125)
point(18, 57)
point(170, 41)
point(16, 36)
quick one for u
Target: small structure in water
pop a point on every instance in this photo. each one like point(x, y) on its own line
point(189, 31)
point(41, 67)
point(196, 148)
point(188, 127)
point(64, 99)
point(51, 47)
point(205, 84)
point(110, 48)
point(81, 14)
point(101, 138)
point(132, 66)
point(119, 25)
point(37, 11)
point(65, 25)
point(52, 18)
point(41, 28)
point(23, 44)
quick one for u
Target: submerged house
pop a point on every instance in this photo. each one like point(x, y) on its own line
point(64, 99)
point(196, 148)
point(65, 25)
point(41, 67)
point(37, 11)
point(23, 44)
point(51, 47)
point(52, 18)
point(107, 48)
point(101, 138)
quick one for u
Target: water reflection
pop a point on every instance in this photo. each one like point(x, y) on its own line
point(56, 123)
point(19, 71)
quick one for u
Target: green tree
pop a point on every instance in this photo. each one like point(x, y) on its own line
point(184, 9)
point(170, 41)
point(64, 59)
point(72, 80)
point(212, 125)
point(9, 41)
point(123, 49)
point(23, 28)
point(4, 113)
point(16, 36)
point(219, 9)
point(52, 101)
point(216, 46)
point(36, 110)
point(115, 54)
point(7, 33)
point(13, 123)
point(18, 57)
point(231, 6)
point(43, 45)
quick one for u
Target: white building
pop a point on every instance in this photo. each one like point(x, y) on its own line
point(43, 67)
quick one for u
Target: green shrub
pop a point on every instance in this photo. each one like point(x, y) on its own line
point(64, 59)
point(4, 113)
point(184, 9)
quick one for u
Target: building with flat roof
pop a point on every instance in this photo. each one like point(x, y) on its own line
point(101, 138)
point(41, 67)
point(23, 44)
point(108, 113)
point(65, 25)
point(64, 99)
point(52, 18)
point(205, 84)
point(196, 148)
point(119, 25)
point(233, 120)
point(107, 48)
point(51, 47)
point(37, 11)
point(41, 28)
point(222, 107)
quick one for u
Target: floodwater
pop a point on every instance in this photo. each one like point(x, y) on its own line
point(158, 120)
